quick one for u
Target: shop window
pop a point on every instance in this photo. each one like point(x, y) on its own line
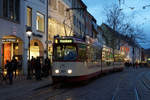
point(29, 16)
point(40, 23)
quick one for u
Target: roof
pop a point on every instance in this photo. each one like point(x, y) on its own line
point(123, 37)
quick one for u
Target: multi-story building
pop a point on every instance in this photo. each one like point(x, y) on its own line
point(11, 30)
point(65, 18)
point(88, 26)
point(124, 45)
point(79, 18)
point(15, 17)
point(60, 20)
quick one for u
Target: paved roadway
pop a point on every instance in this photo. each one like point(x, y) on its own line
point(131, 84)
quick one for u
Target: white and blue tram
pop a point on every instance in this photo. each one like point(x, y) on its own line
point(75, 60)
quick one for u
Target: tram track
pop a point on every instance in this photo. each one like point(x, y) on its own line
point(115, 95)
point(120, 92)
point(143, 87)
point(53, 91)
point(146, 82)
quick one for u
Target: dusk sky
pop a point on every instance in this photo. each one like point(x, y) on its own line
point(130, 8)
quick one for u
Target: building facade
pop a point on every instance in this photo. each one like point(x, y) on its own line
point(125, 49)
point(59, 20)
point(12, 30)
point(15, 17)
point(79, 18)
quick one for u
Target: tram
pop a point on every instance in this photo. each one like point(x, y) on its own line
point(75, 60)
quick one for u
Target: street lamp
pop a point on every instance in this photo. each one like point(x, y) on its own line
point(29, 33)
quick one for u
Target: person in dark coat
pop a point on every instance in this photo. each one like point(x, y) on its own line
point(14, 64)
point(38, 69)
point(33, 65)
point(47, 67)
point(10, 70)
point(29, 70)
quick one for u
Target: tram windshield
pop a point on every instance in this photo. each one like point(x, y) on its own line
point(65, 52)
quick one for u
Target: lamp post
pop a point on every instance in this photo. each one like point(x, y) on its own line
point(29, 33)
point(47, 4)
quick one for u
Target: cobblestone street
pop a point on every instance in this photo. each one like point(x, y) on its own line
point(131, 84)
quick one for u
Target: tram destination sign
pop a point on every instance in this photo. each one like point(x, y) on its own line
point(65, 41)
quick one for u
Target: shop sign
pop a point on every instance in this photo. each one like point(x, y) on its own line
point(9, 40)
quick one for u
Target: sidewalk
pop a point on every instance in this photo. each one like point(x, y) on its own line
point(21, 87)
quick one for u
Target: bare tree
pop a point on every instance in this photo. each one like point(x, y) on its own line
point(116, 19)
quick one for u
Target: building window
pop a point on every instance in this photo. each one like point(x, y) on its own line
point(53, 4)
point(61, 8)
point(5, 8)
point(29, 16)
point(11, 9)
point(40, 23)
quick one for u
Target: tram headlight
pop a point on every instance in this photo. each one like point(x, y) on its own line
point(69, 71)
point(57, 71)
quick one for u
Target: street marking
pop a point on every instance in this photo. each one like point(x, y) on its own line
point(117, 89)
point(136, 94)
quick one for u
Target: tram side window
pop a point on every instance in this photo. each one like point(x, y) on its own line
point(98, 54)
point(93, 54)
point(82, 52)
point(89, 53)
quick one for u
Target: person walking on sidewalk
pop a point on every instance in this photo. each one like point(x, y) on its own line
point(10, 70)
point(29, 70)
point(38, 69)
point(47, 67)
point(33, 65)
point(14, 64)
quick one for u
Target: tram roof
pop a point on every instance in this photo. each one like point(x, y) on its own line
point(78, 40)
point(75, 39)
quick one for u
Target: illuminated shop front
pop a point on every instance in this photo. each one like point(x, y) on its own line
point(11, 47)
point(119, 56)
point(124, 52)
point(36, 49)
point(107, 55)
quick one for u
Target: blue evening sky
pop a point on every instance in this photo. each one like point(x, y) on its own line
point(130, 8)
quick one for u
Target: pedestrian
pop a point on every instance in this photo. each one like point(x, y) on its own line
point(20, 65)
point(38, 69)
point(47, 67)
point(126, 64)
point(29, 70)
point(14, 64)
point(33, 64)
point(10, 70)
